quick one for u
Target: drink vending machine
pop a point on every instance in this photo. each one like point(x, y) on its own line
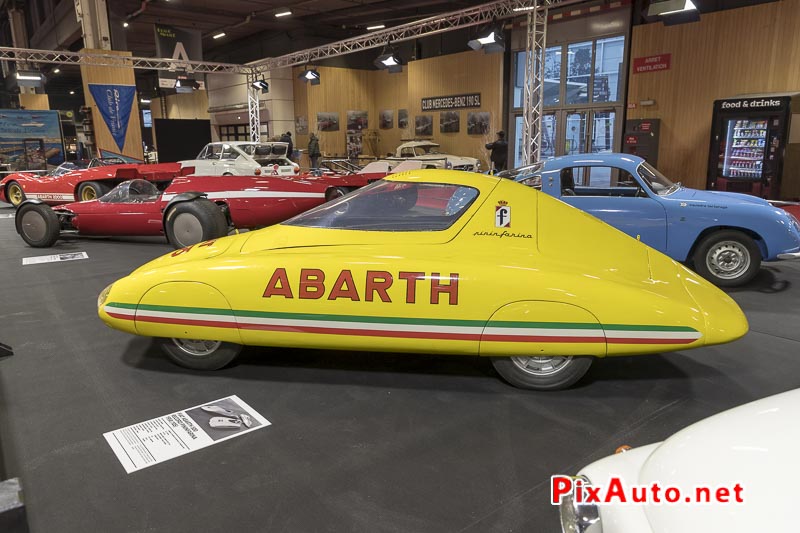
point(751, 148)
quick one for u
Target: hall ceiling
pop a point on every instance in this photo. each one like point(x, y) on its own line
point(314, 21)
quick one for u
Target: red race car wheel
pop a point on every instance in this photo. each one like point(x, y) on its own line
point(14, 193)
point(38, 225)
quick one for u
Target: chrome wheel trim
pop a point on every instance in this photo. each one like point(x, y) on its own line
point(728, 259)
point(34, 225)
point(187, 229)
point(542, 366)
point(197, 348)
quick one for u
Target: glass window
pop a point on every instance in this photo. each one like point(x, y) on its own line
point(228, 152)
point(607, 66)
point(599, 181)
point(603, 131)
point(392, 206)
point(657, 182)
point(552, 77)
point(575, 133)
point(579, 70)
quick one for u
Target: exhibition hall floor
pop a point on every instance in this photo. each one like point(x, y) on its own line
point(358, 441)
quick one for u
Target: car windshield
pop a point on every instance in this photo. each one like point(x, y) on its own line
point(427, 149)
point(69, 166)
point(657, 182)
point(106, 161)
point(132, 191)
point(392, 206)
point(520, 173)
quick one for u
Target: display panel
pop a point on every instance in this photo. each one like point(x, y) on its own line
point(743, 156)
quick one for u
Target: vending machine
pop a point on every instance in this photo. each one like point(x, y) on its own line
point(749, 146)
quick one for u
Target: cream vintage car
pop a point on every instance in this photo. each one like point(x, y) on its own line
point(427, 152)
point(733, 472)
point(243, 158)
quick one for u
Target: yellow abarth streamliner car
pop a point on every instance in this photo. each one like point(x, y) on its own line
point(428, 261)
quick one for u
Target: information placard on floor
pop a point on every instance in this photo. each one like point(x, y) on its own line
point(71, 256)
point(163, 438)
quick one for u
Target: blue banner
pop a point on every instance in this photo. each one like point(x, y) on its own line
point(114, 103)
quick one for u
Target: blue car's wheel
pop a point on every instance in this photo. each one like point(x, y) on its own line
point(727, 258)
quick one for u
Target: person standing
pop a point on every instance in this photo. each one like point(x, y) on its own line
point(313, 151)
point(499, 155)
point(287, 138)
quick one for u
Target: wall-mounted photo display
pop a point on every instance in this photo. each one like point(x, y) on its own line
point(478, 123)
point(327, 121)
point(449, 122)
point(423, 125)
point(386, 119)
point(301, 125)
point(402, 118)
point(357, 120)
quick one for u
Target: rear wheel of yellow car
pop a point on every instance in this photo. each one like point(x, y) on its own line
point(91, 190)
point(14, 193)
point(542, 373)
point(200, 354)
point(188, 223)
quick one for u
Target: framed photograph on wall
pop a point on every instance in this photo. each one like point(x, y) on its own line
point(402, 118)
point(449, 122)
point(478, 123)
point(423, 125)
point(386, 119)
point(357, 120)
point(301, 125)
point(327, 121)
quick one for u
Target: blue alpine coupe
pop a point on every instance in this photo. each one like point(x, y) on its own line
point(724, 236)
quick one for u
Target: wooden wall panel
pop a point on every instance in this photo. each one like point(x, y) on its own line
point(728, 53)
point(37, 102)
point(467, 72)
point(344, 89)
point(117, 76)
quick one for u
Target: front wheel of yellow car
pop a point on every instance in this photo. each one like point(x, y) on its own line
point(200, 354)
point(542, 373)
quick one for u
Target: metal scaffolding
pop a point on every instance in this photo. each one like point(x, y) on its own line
point(533, 95)
point(253, 110)
point(112, 60)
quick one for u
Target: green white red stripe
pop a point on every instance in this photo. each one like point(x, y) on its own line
point(396, 327)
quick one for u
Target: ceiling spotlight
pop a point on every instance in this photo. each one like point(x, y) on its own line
point(125, 24)
point(144, 100)
point(376, 27)
point(310, 75)
point(285, 12)
point(491, 41)
point(56, 70)
point(390, 61)
point(260, 84)
point(220, 35)
point(72, 92)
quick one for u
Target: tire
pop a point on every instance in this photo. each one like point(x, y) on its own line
point(542, 373)
point(227, 174)
point(14, 193)
point(335, 192)
point(38, 225)
point(91, 190)
point(198, 220)
point(200, 354)
point(727, 258)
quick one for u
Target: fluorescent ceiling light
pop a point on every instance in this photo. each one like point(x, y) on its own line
point(220, 35)
point(29, 76)
point(376, 27)
point(529, 8)
point(144, 100)
point(669, 7)
point(283, 13)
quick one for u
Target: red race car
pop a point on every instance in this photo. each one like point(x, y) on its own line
point(184, 215)
point(80, 180)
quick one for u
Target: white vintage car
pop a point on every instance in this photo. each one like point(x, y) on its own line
point(744, 460)
point(428, 153)
point(243, 158)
